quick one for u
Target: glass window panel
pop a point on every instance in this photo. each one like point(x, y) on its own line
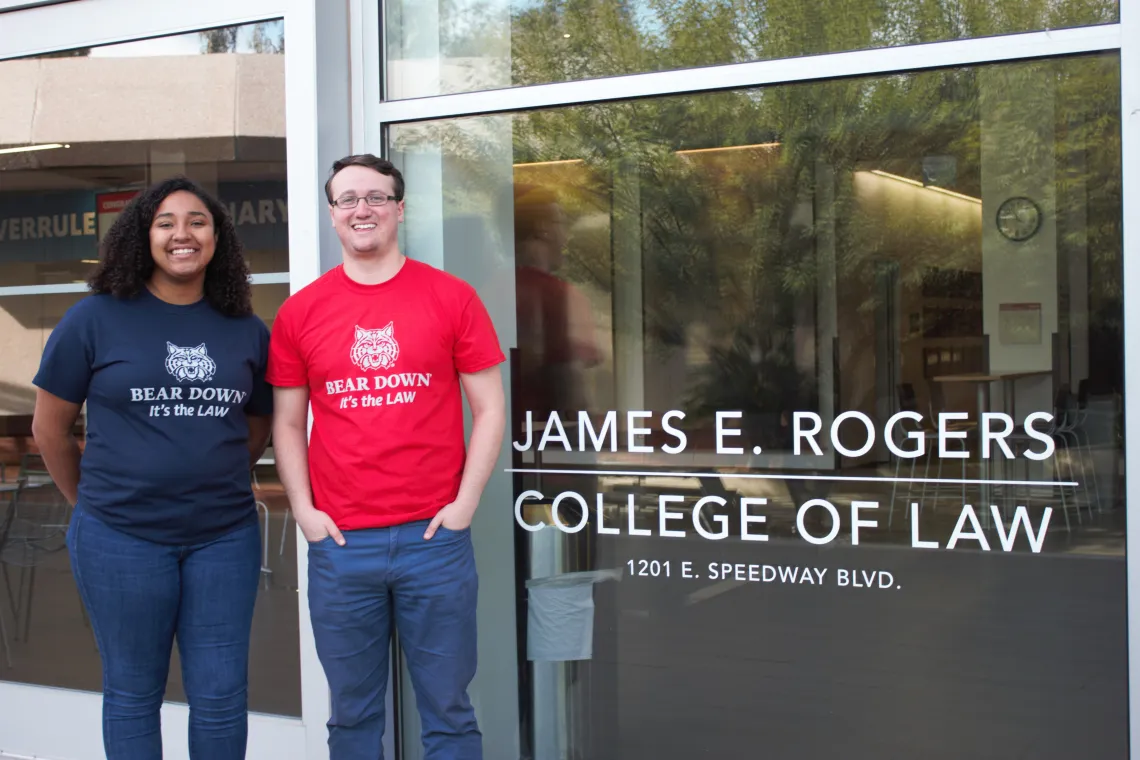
point(446, 46)
point(62, 178)
point(700, 277)
point(55, 203)
point(49, 636)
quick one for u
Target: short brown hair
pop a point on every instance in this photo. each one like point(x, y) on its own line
point(368, 161)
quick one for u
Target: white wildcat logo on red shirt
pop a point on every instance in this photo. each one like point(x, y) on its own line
point(375, 349)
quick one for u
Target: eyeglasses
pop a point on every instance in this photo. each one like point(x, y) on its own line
point(347, 202)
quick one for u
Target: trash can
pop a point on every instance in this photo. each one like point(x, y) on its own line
point(560, 618)
point(559, 641)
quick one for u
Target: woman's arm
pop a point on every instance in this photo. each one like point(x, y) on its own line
point(260, 426)
point(52, 428)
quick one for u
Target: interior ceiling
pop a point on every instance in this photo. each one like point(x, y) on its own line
point(97, 166)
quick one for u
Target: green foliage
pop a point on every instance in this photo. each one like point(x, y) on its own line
point(562, 40)
point(740, 244)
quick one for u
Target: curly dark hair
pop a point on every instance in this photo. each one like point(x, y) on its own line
point(126, 264)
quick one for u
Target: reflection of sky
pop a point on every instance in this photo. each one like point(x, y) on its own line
point(185, 44)
point(644, 15)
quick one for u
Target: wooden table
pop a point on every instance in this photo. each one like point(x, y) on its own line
point(982, 381)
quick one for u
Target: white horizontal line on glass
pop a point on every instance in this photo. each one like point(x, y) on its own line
point(787, 476)
point(40, 290)
point(269, 278)
point(876, 61)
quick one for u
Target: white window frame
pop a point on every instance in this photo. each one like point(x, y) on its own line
point(880, 61)
point(1130, 167)
point(1123, 36)
point(37, 721)
point(16, 5)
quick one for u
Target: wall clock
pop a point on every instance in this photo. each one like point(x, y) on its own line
point(1018, 219)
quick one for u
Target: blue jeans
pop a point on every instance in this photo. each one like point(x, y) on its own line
point(428, 589)
point(141, 595)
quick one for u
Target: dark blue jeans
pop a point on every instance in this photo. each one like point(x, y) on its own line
point(428, 589)
point(140, 596)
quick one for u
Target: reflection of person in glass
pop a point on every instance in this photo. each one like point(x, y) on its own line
point(164, 540)
point(556, 344)
point(555, 329)
point(384, 347)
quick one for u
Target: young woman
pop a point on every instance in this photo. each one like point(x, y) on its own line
point(164, 542)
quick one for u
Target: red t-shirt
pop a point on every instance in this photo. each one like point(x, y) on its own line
point(382, 364)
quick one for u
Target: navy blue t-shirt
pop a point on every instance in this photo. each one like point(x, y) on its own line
point(168, 389)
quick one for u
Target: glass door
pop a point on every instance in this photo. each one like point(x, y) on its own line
point(85, 127)
point(690, 283)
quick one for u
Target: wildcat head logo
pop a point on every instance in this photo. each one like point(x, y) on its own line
point(189, 364)
point(375, 349)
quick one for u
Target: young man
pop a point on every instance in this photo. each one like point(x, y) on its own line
point(385, 492)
